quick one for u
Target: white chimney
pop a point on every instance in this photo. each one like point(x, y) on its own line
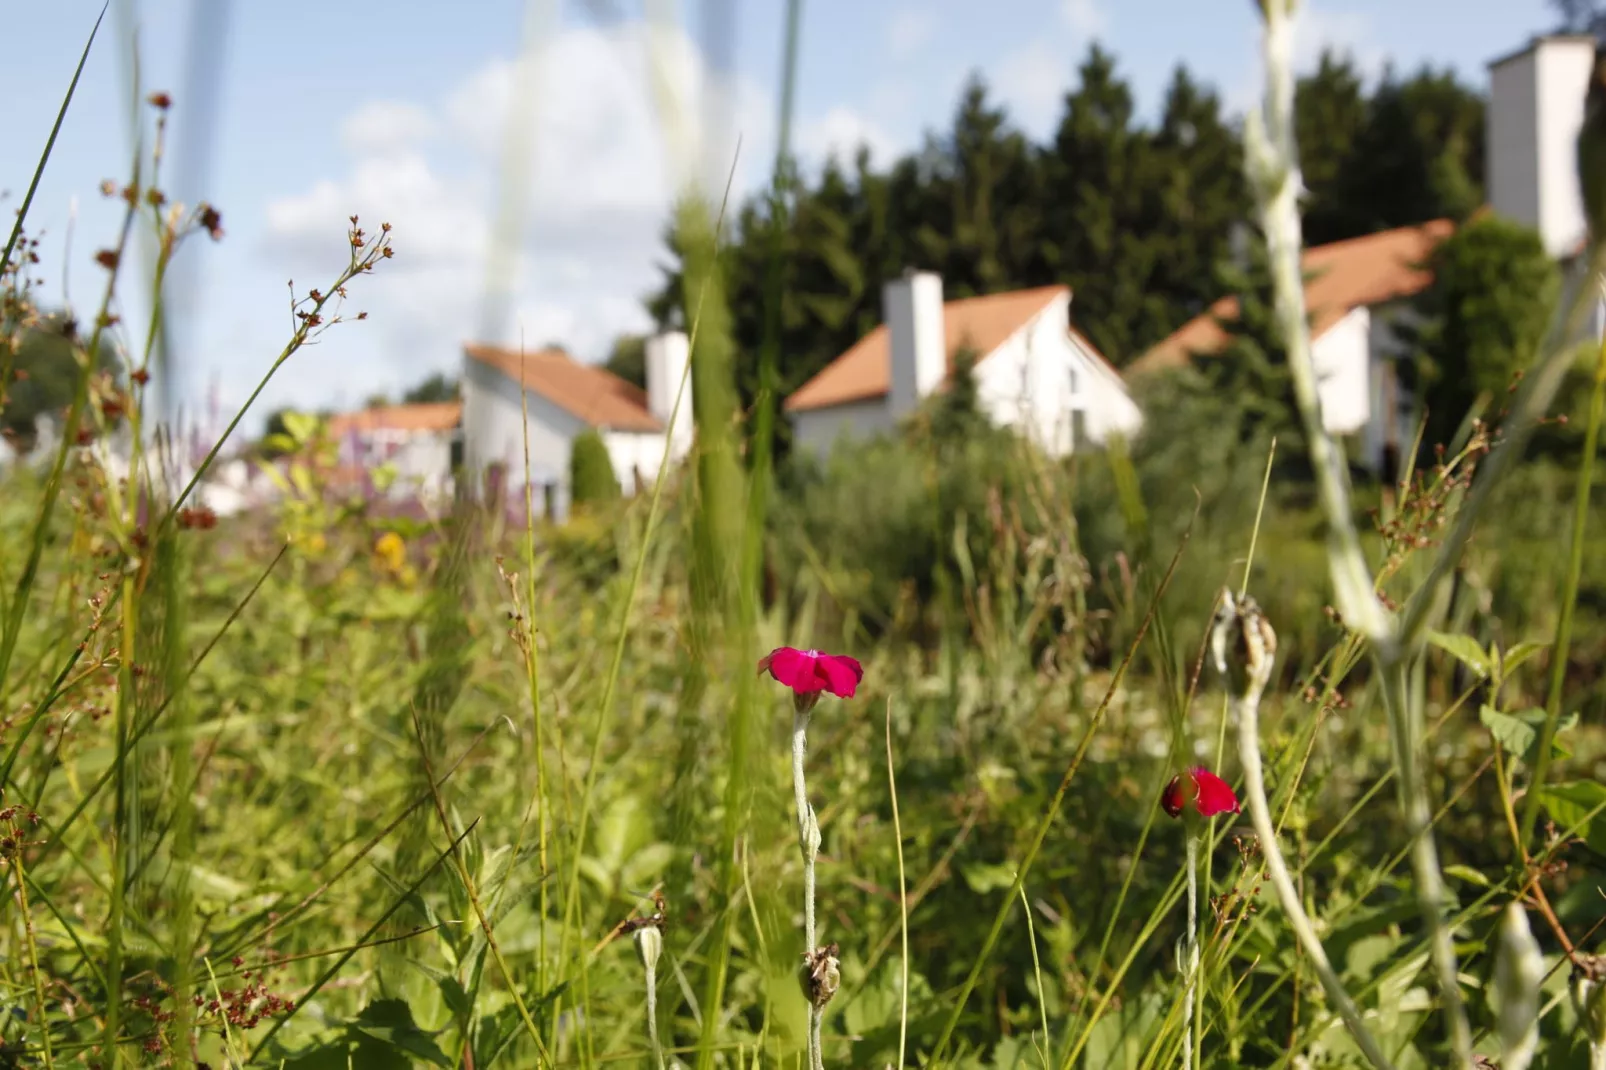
point(912, 308)
point(1536, 106)
point(668, 357)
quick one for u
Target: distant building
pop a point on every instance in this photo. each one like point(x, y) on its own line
point(1034, 371)
point(564, 398)
point(1358, 292)
point(419, 442)
point(1357, 295)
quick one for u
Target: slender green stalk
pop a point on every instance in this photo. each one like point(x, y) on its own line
point(903, 906)
point(611, 682)
point(1047, 820)
point(1037, 972)
point(40, 1007)
point(470, 887)
point(50, 144)
point(1569, 600)
point(364, 941)
point(533, 674)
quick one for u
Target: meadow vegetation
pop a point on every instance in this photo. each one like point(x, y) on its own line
point(329, 786)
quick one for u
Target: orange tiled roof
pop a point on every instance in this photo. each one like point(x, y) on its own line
point(594, 394)
point(426, 416)
point(1340, 277)
point(865, 371)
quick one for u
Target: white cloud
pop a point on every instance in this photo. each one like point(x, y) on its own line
point(1033, 82)
point(909, 29)
point(385, 125)
point(840, 132)
point(602, 169)
point(1316, 29)
point(1351, 32)
point(1084, 17)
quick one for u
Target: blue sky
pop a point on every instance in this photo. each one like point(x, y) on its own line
point(397, 110)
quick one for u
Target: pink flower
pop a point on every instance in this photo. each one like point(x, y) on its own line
point(809, 672)
point(1209, 794)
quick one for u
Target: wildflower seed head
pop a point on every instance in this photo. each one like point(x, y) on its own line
point(1518, 970)
point(1589, 997)
point(822, 974)
point(1242, 644)
point(649, 945)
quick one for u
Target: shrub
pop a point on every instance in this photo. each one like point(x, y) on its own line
point(591, 475)
point(1483, 319)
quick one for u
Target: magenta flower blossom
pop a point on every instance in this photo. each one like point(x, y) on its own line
point(809, 672)
point(1209, 794)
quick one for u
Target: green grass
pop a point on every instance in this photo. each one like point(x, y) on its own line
point(275, 797)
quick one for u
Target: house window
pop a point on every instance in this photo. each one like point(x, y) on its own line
point(1078, 429)
point(1072, 379)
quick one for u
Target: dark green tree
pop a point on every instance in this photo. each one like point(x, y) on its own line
point(1418, 157)
point(1097, 237)
point(1195, 195)
point(1329, 115)
point(438, 387)
point(591, 476)
point(1581, 16)
point(44, 375)
point(1481, 321)
point(628, 359)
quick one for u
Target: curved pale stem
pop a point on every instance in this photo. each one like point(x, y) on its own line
point(808, 841)
point(1260, 814)
point(1190, 1003)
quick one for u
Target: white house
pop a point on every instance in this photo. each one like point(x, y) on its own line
point(564, 398)
point(1033, 370)
point(1358, 292)
point(417, 441)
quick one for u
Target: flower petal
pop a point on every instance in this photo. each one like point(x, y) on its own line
point(839, 674)
point(1214, 794)
point(1172, 799)
point(794, 668)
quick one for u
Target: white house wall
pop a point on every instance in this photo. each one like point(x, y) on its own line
point(817, 430)
point(422, 462)
point(1040, 379)
point(1110, 409)
point(636, 451)
point(493, 430)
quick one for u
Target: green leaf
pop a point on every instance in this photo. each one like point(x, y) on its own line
point(1513, 733)
point(300, 426)
point(1580, 806)
point(1468, 874)
point(1464, 649)
point(984, 877)
point(455, 997)
point(1519, 654)
point(1519, 732)
point(390, 1021)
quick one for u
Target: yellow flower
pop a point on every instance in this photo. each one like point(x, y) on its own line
point(391, 551)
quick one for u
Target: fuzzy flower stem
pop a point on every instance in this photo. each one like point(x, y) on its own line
point(1273, 164)
point(1248, 710)
point(808, 830)
point(1190, 1004)
point(808, 841)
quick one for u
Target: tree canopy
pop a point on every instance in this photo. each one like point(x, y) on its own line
point(1135, 217)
